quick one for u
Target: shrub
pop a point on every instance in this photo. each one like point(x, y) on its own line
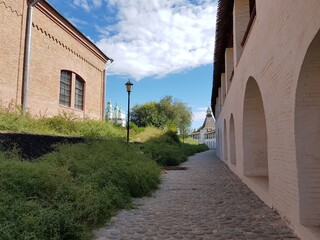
point(59, 125)
point(167, 149)
point(172, 137)
point(148, 133)
point(135, 128)
point(66, 193)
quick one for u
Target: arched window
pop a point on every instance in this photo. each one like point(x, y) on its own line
point(72, 90)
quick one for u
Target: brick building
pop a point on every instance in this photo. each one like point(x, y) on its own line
point(66, 70)
point(266, 99)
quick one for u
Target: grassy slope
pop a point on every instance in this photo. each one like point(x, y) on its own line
point(67, 193)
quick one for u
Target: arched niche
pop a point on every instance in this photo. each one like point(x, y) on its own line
point(255, 142)
point(225, 142)
point(232, 138)
point(307, 135)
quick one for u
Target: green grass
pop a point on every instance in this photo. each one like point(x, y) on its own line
point(168, 150)
point(59, 125)
point(147, 133)
point(67, 193)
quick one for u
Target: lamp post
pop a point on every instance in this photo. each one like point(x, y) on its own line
point(128, 87)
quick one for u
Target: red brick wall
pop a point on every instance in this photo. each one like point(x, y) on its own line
point(55, 46)
point(12, 30)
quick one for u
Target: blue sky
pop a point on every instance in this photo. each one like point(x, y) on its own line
point(164, 47)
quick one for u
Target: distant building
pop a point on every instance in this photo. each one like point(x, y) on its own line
point(206, 134)
point(66, 70)
point(116, 114)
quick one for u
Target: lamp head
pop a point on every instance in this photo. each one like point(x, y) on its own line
point(129, 86)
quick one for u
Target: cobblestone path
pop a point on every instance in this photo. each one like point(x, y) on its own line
point(206, 201)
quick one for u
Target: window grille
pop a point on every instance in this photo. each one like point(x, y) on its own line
point(79, 93)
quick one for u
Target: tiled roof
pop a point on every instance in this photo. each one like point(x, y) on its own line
point(209, 121)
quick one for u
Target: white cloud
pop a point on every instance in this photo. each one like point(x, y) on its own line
point(199, 114)
point(87, 5)
point(198, 117)
point(156, 37)
point(97, 3)
point(83, 4)
point(77, 22)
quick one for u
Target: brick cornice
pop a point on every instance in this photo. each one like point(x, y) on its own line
point(63, 23)
point(65, 46)
point(7, 6)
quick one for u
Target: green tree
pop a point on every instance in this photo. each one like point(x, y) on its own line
point(147, 115)
point(168, 112)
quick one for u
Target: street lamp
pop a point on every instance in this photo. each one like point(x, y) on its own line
point(128, 87)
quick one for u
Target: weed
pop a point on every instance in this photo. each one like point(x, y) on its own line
point(167, 150)
point(67, 193)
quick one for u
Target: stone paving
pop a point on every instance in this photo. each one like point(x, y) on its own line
point(206, 201)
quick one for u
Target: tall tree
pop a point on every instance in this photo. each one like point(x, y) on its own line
point(147, 115)
point(168, 112)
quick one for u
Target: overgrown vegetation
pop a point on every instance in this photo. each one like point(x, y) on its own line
point(58, 125)
point(168, 150)
point(64, 194)
point(67, 193)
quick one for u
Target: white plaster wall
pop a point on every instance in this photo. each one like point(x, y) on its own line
point(307, 128)
point(229, 66)
point(254, 132)
point(232, 137)
point(223, 88)
point(211, 143)
point(225, 142)
point(241, 16)
point(273, 56)
point(218, 142)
